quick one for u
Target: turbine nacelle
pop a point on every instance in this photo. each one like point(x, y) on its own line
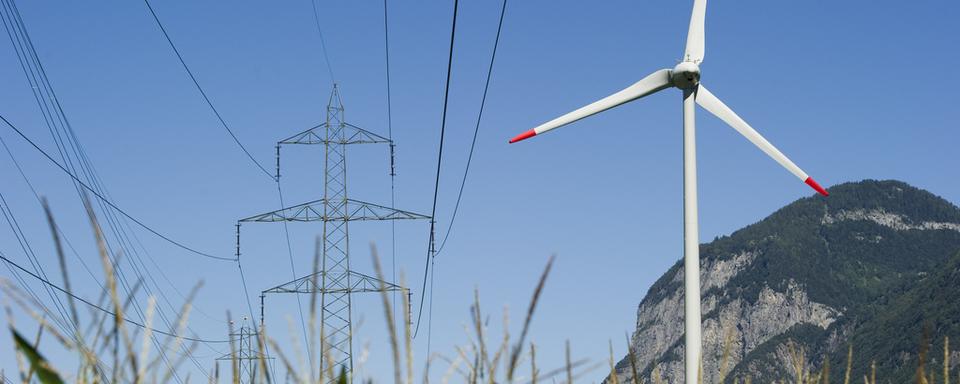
point(685, 75)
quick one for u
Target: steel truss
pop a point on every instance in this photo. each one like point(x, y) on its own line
point(358, 283)
point(335, 282)
point(354, 210)
point(246, 355)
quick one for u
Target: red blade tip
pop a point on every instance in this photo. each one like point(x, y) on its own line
point(523, 136)
point(813, 184)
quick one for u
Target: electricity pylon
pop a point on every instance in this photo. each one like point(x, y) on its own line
point(336, 280)
point(245, 356)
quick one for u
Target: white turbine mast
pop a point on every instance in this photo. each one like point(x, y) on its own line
point(686, 77)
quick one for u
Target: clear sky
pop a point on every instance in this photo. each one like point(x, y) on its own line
point(848, 89)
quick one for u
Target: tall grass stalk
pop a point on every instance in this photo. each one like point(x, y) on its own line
point(633, 361)
point(725, 357)
point(825, 372)
point(533, 364)
point(483, 359)
point(388, 313)
point(526, 323)
point(922, 358)
point(846, 376)
point(656, 374)
point(109, 337)
point(613, 369)
point(946, 360)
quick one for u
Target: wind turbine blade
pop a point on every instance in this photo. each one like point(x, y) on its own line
point(656, 81)
point(713, 105)
point(695, 38)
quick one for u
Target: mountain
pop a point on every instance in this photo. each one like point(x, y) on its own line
point(875, 265)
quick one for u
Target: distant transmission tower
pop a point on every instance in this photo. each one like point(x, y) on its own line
point(245, 353)
point(335, 281)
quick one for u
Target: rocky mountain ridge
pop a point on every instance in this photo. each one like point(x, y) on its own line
point(816, 275)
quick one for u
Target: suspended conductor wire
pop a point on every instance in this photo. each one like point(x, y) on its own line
point(333, 80)
point(107, 201)
point(36, 195)
point(323, 42)
point(12, 32)
point(243, 280)
point(104, 310)
point(246, 293)
point(203, 93)
point(431, 251)
point(476, 129)
point(35, 263)
point(393, 169)
point(293, 269)
point(53, 113)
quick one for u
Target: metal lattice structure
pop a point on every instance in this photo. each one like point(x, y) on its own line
point(246, 355)
point(316, 211)
point(358, 283)
point(335, 282)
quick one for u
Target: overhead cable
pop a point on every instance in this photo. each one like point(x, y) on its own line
point(203, 93)
point(431, 247)
point(476, 129)
point(107, 201)
point(393, 165)
point(323, 42)
point(104, 310)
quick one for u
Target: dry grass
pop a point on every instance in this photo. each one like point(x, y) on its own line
point(112, 349)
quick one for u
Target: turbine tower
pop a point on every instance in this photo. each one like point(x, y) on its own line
point(686, 77)
point(335, 281)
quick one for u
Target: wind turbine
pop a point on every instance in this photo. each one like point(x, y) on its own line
point(686, 77)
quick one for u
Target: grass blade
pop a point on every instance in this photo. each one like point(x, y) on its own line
point(38, 363)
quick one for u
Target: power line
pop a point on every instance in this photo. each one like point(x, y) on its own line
point(104, 310)
point(17, 36)
point(36, 195)
point(323, 43)
point(286, 230)
point(63, 135)
point(105, 200)
point(203, 93)
point(34, 261)
point(431, 250)
point(246, 293)
point(476, 129)
point(393, 168)
point(293, 269)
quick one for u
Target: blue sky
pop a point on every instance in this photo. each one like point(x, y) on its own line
point(848, 90)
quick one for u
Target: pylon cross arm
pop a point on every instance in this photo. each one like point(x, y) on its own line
point(353, 210)
point(351, 134)
point(359, 283)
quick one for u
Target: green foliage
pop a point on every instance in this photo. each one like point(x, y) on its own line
point(38, 363)
point(887, 282)
point(894, 332)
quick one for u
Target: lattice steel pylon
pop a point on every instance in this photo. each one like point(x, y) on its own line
point(246, 356)
point(335, 210)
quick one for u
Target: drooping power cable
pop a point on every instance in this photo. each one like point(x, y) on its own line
point(431, 247)
point(105, 200)
point(476, 129)
point(203, 93)
point(104, 310)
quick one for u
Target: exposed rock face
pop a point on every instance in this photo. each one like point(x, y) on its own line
point(738, 325)
point(887, 219)
point(794, 288)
